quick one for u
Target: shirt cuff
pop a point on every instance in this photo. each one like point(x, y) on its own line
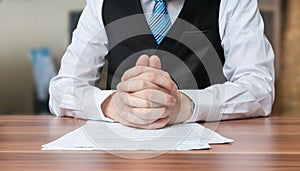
point(207, 106)
point(100, 97)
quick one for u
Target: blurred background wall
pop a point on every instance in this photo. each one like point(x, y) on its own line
point(290, 60)
point(28, 24)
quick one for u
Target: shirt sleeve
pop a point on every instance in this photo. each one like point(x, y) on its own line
point(72, 91)
point(249, 68)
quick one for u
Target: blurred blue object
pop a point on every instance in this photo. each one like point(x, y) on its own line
point(44, 70)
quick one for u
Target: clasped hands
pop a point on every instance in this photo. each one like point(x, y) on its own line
point(147, 98)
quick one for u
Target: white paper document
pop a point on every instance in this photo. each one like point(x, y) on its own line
point(96, 135)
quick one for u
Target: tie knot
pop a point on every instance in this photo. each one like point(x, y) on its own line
point(159, 0)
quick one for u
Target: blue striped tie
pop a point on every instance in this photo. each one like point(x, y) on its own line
point(160, 22)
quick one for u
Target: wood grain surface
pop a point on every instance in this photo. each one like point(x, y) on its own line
point(260, 144)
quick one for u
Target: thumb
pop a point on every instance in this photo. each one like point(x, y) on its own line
point(143, 61)
point(155, 62)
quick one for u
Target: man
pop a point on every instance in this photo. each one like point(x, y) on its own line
point(147, 94)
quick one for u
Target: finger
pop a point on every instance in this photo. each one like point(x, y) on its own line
point(155, 62)
point(159, 80)
point(151, 114)
point(134, 85)
point(137, 70)
point(124, 112)
point(143, 61)
point(161, 123)
point(118, 118)
point(137, 102)
point(134, 119)
point(139, 116)
point(156, 96)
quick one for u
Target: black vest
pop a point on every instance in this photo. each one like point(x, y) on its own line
point(191, 52)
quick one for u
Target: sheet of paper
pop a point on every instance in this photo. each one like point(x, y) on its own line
point(114, 136)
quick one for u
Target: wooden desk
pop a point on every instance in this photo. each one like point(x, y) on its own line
point(260, 144)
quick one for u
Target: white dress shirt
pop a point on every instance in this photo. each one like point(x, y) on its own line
point(249, 66)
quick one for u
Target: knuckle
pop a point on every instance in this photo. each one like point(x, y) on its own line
point(125, 76)
point(148, 104)
point(129, 85)
point(166, 74)
point(151, 76)
point(170, 83)
point(144, 83)
point(141, 84)
point(147, 94)
point(169, 99)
